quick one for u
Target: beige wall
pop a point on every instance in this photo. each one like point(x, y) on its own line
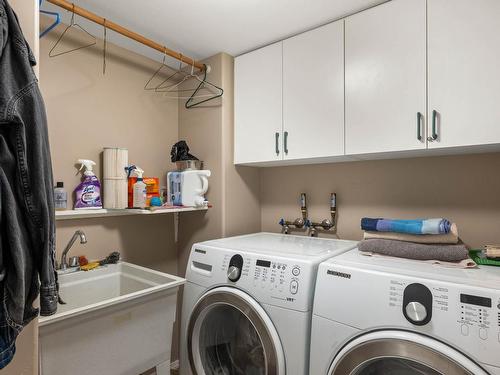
point(88, 111)
point(202, 129)
point(464, 189)
point(27, 12)
point(241, 212)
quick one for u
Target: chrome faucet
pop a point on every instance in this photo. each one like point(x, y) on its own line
point(83, 240)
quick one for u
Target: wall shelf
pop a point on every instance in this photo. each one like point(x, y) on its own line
point(88, 214)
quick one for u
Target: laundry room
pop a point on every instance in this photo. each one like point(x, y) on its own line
point(250, 188)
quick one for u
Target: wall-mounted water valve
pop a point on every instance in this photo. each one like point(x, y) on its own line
point(298, 223)
point(325, 224)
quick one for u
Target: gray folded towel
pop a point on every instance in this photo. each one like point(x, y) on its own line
point(410, 250)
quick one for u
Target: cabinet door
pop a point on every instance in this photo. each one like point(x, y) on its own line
point(258, 105)
point(385, 62)
point(464, 72)
point(313, 93)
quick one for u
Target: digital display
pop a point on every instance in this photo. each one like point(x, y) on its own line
point(263, 263)
point(475, 300)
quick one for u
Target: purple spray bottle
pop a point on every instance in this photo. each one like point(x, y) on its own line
point(88, 192)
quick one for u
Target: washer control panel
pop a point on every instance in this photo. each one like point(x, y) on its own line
point(279, 280)
point(276, 276)
point(275, 280)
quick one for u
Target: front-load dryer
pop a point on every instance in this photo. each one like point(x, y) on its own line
point(382, 316)
point(247, 304)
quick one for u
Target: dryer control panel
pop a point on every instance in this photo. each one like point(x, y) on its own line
point(274, 280)
point(467, 316)
point(479, 315)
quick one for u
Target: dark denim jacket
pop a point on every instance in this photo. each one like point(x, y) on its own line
point(27, 226)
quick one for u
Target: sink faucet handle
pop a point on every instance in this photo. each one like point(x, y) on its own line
point(74, 261)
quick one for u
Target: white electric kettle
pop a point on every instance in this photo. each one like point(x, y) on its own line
point(188, 188)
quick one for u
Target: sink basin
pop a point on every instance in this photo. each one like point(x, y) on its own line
point(117, 320)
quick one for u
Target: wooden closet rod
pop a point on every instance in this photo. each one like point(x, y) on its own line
point(125, 32)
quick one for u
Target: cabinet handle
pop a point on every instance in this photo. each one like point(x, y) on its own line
point(419, 126)
point(434, 135)
point(277, 138)
point(286, 143)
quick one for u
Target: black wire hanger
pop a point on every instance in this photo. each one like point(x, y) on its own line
point(191, 102)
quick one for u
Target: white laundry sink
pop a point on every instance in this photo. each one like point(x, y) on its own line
point(117, 320)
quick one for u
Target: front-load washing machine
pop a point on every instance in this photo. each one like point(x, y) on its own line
point(247, 304)
point(381, 315)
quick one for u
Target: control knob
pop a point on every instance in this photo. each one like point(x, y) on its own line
point(416, 312)
point(417, 304)
point(234, 269)
point(233, 273)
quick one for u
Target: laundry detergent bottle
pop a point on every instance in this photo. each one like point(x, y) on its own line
point(88, 192)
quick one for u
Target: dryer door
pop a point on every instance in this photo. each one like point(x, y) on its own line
point(229, 333)
point(400, 353)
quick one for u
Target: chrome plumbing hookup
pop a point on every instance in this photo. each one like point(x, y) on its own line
point(300, 222)
point(304, 222)
point(325, 224)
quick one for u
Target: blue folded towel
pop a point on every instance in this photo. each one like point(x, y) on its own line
point(419, 226)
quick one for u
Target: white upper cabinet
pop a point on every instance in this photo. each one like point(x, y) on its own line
point(385, 78)
point(258, 105)
point(313, 93)
point(407, 77)
point(464, 72)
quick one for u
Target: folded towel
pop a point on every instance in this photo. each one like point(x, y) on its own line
point(492, 251)
point(410, 250)
point(466, 263)
point(447, 238)
point(418, 226)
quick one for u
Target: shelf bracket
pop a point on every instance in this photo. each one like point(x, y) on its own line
point(176, 227)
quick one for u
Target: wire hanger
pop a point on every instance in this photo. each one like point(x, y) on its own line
point(203, 83)
point(157, 72)
point(162, 88)
point(104, 46)
point(74, 25)
point(191, 101)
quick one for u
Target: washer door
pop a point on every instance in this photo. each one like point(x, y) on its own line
point(400, 353)
point(229, 333)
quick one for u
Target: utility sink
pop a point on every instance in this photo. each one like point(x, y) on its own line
point(117, 320)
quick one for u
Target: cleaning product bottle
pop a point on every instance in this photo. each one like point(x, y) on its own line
point(60, 196)
point(139, 190)
point(88, 192)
